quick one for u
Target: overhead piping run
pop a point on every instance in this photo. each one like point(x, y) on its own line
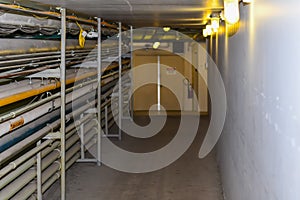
point(17, 97)
point(52, 14)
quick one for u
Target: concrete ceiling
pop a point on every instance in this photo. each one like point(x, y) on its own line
point(146, 13)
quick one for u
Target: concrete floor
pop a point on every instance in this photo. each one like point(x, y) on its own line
point(189, 178)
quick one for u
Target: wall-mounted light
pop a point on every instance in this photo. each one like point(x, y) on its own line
point(231, 11)
point(215, 23)
point(204, 33)
point(166, 29)
point(209, 29)
point(222, 15)
point(247, 1)
point(156, 45)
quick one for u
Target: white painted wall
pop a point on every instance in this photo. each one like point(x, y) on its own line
point(259, 151)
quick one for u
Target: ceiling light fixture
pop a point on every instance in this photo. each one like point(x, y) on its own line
point(209, 29)
point(156, 45)
point(166, 28)
point(215, 24)
point(231, 11)
point(204, 32)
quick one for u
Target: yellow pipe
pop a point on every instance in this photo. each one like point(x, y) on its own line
point(40, 50)
point(30, 93)
point(23, 95)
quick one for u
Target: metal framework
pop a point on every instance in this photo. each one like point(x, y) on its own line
point(56, 146)
point(63, 103)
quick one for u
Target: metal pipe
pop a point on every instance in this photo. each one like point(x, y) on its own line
point(21, 133)
point(47, 161)
point(17, 97)
point(19, 170)
point(11, 166)
point(52, 14)
point(41, 58)
point(25, 166)
point(37, 65)
point(90, 135)
point(29, 116)
point(40, 102)
point(30, 188)
point(34, 92)
point(6, 155)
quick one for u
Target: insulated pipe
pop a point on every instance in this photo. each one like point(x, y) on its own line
point(17, 97)
point(38, 65)
point(15, 164)
point(16, 53)
point(24, 179)
point(6, 155)
point(48, 179)
point(8, 126)
point(25, 166)
point(54, 15)
point(43, 58)
point(30, 84)
point(32, 71)
point(41, 102)
point(37, 91)
point(21, 133)
point(90, 135)
point(20, 170)
point(38, 52)
point(22, 159)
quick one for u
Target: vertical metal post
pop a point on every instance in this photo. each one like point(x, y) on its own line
point(63, 103)
point(120, 81)
point(106, 121)
point(99, 60)
point(131, 66)
point(39, 174)
point(158, 83)
point(82, 145)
